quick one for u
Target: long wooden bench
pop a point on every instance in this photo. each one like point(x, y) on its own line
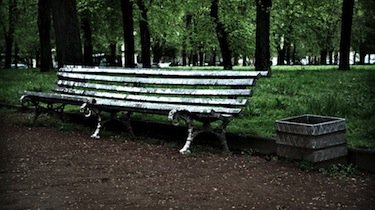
point(186, 96)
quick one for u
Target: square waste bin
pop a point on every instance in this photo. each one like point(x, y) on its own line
point(311, 137)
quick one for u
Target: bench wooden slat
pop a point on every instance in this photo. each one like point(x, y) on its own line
point(160, 81)
point(54, 97)
point(200, 101)
point(169, 73)
point(163, 91)
point(162, 108)
point(157, 108)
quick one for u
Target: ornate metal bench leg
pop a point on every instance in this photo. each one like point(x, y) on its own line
point(38, 111)
point(98, 127)
point(176, 116)
point(221, 134)
point(185, 149)
point(223, 141)
point(87, 111)
point(128, 124)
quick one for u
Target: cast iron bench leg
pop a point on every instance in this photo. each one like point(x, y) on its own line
point(176, 116)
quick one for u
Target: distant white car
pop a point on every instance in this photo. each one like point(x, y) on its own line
point(163, 65)
point(19, 66)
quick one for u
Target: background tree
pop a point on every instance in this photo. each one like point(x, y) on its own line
point(184, 31)
point(44, 26)
point(262, 49)
point(346, 28)
point(9, 33)
point(363, 31)
point(145, 34)
point(128, 25)
point(85, 10)
point(239, 18)
point(222, 35)
point(67, 33)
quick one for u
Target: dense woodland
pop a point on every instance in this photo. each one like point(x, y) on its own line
point(186, 32)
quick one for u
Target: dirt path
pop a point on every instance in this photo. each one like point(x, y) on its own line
point(49, 169)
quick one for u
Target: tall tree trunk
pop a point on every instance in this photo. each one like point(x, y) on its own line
point(346, 28)
point(330, 55)
point(287, 50)
point(262, 48)
point(201, 55)
point(195, 59)
point(145, 35)
point(188, 19)
point(112, 54)
point(9, 36)
point(87, 39)
point(213, 57)
point(280, 56)
point(37, 58)
point(294, 54)
point(16, 54)
point(362, 54)
point(67, 34)
point(323, 57)
point(222, 35)
point(128, 25)
point(157, 51)
point(44, 26)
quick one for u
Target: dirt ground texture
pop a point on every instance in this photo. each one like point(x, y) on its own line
point(45, 168)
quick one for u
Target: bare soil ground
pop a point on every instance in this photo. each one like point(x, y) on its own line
point(44, 168)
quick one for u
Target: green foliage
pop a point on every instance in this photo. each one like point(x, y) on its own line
point(343, 170)
point(339, 170)
point(306, 166)
point(307, 26)
point(249, 152)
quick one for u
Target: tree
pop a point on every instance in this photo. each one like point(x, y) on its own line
point(222, 35)
point(67, 34)
point(44, 25)
point(346, 28)
point(363, 31)
point(128, 25)
point(145, 35)
point(9, 34)
point(87, 38)
point(262, 49)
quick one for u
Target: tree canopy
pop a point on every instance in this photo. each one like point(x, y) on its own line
point(188, 32)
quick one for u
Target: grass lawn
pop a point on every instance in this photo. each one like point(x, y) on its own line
point(291, 91)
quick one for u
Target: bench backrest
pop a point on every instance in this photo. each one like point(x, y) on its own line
point(161, 89)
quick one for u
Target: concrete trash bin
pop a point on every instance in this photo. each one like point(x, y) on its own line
point(311, 137)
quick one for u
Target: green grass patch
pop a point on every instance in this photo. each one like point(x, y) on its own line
point(15, 80)
point(290, 91)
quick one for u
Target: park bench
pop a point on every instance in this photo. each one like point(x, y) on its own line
point(189, 96)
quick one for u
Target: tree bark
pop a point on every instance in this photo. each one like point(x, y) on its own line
point(262, 48)
point(87, 39)
point(188, 20)
point(346, 28)
point(128, 25)
point(323, 57)
point(145, 35)
point(44, 26)
point(112, 55)
point(222, 35)
point(67, 34)
point(9, 36)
